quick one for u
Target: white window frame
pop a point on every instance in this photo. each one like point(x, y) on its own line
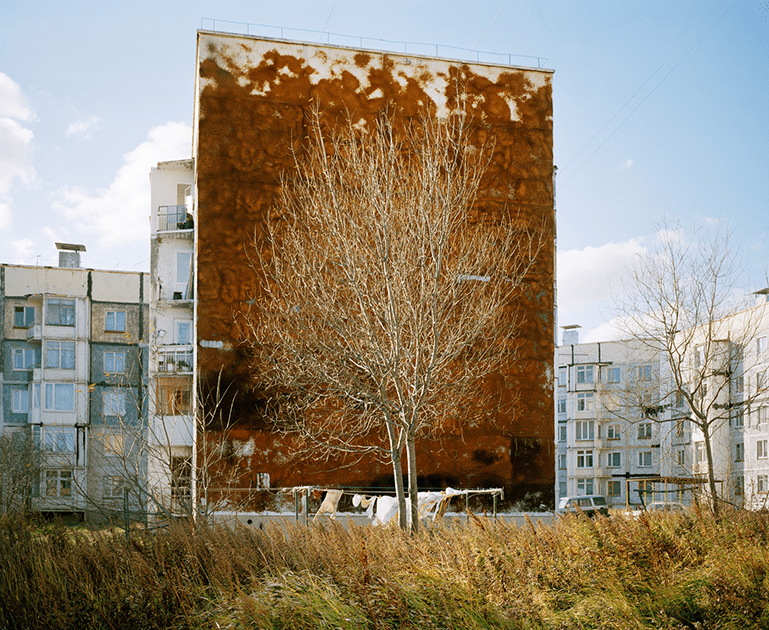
point(761, 345)
point(115, 321)
point(54, 396)
point(645, 459)
point(762, 487)
point(681, 457)
point(585, 458)
point(562, 464)
point(114, 486)
point(118, 360)
point(58, 482)
point(562, 377)
point(739, 452)
point(561, 405)
point(739, 485)
point(614, 459)
point(57, 349)
point(700, 455)
point(585, 374)
point(644, 430)
point(20, 401)
point(59, 440)
point(64, 308)
point(561, 432)
point(584, 430)
point(23, 359)
point(183, 273)
point(113, 444)
point(179, 324)
point(113, 403)
point(644, 373)
point(613, 432)
point(585, 486)
point(585, 401)
point(761, 449)
point(613, 375)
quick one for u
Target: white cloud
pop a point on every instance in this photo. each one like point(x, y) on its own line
point(626, 165)
point(119, 213)
point(83, 128)
point(23, 250)
point(13, 104)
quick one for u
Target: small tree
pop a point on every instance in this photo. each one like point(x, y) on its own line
point(680, 302)
point(386, 295)
point(20, 468)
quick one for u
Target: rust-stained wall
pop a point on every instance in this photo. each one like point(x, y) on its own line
point(252, 99)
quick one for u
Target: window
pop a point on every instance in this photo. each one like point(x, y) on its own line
point(584, 430)
point(739, 452)
point(20, 401)
point(115, 321)
point(614, 460)
point(561, 405)
point(114, 362)
point(645, 431)
point(584, 486)
point(760, 382)
point(60, 354)
point(59, 397)
point(562, 377)
point(612, 375)
point(699, 356)
point(60, 440)
point(174, 396)
point(644, 459)
point(58, 483)
point(680, 427)
point(644, 372)
point(761, 345)
point(679, 399)
point(114, 403)
point(183, 273)
point(23, 358)
point(699, 452)
point(739, 384)
point(613, 488)
point(112, 443)
point(739, 486)
point(761, 484)
point(23, 316)
point(562, 489)
point(181, 475)
point(761, 415)
point(184, 332)
point(738, 417)
point(681, 457)
point(761, 452)
point(561, 432)
point(562, 461)
point(114, 486)
point(584, 459)
point(613, 432)
point(585, 402)
point(60, 312)
point(584, 374)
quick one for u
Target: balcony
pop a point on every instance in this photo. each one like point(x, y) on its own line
point(35, 333)
point(175, 219)
point(175, 360)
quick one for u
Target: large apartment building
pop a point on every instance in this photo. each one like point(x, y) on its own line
point(73, 348)
point(625, 432)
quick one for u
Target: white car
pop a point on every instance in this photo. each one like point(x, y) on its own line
point(590, 504)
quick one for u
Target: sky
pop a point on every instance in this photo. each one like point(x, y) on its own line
point(661, 111)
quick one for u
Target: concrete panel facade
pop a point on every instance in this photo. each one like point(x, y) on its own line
point(252, 100)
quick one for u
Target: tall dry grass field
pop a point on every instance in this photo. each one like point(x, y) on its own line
point(689, 571)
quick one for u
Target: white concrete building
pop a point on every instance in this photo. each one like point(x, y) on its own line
point(172, 430)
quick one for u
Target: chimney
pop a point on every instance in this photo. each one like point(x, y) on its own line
point(571, 334)
point(69, 255)
point(762, 296)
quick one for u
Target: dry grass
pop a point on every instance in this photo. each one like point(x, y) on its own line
point(668, 571)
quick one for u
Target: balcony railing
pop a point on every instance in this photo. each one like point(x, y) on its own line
point(172, 218)
point(173, 361)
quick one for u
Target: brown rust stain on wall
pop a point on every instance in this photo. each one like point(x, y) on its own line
point(252, 113)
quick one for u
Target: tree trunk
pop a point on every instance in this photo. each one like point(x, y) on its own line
point(411, 457)
point(399, 490)
point(711, 472)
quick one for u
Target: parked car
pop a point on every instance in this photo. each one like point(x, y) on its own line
point(590, 504)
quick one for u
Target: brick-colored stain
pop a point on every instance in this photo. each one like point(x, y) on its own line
point(253, 98)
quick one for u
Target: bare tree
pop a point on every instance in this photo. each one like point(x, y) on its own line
point(20, 468)
point(386, 293)
point(681, 302)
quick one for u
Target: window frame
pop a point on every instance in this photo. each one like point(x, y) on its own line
point(24, 312)
point(584, 430)
point(26, 363)
point(585, 375)
point(58, 440)
point(113, 401)
point(62, 478)
point(613, 432)
point(585, 401)
point(761, 449)
point(113, 321)
point(115, 354)
point(611, 485)
point(614, 459)
point(60, 353)
point(65, 308)
point(645, 459)
point(739, 451)
point(585, 458)
point(644, 431)
point(54, 396)
point(17, 396)
point(613, 375)
point(585, 486)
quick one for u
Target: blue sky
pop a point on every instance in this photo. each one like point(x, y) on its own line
point(660, 109)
